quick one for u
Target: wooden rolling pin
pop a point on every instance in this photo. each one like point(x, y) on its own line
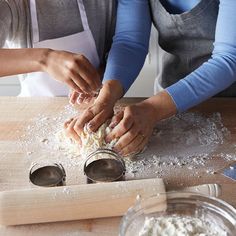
point(77, 202)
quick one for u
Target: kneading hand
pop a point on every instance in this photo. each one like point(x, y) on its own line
point(133, 126)
point(98, 113)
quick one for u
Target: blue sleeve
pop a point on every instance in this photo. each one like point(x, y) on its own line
point(219, 72)
point(130, 43)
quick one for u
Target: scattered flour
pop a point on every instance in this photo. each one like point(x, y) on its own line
point(45, 142)
point(179, 226)
point(188, 140)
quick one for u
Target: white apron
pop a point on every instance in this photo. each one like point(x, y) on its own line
point(40, 83)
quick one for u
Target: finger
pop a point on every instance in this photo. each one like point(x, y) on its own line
point(73, 97)
point(116, 119)
point(89, 73)
point(135, 146)
point(127, 138)
point(99, 119)
point(125, 124)
point(81, 98)
point(67, 123)
point(70, 131)
point(73, 86)
point(85, 118)
point(87, 99)
point(79, 81)
point(141, 147)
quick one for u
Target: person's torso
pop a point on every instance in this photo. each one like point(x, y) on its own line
point(60, 18)
point(185, 40)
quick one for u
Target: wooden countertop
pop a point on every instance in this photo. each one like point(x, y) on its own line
point(17, 114)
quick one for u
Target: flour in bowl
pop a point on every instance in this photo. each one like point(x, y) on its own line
point(179, 226)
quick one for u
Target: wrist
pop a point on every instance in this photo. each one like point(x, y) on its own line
point(111, 92)
point(161, 106)
point(43, 59)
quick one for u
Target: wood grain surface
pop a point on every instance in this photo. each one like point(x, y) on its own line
point(17, 113)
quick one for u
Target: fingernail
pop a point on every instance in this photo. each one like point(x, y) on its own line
point(79, 100)
point(90, 126)
point(113, 125)
point(86, 101)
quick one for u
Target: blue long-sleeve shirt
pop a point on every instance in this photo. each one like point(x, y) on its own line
point(130, 47)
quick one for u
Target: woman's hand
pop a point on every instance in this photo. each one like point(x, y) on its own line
point(72, 69)
point(99, 112)
point(133, 126)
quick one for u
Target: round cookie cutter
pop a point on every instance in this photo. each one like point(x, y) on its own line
point(49, 175)
point(104, 165)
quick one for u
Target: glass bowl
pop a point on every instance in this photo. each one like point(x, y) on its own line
point(213, 211)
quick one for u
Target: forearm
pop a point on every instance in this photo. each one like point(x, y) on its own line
point(161, 106)
point(130, 43)
point(219, 72)
point(21, 61)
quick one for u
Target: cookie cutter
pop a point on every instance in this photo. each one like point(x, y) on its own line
point(104, 165)
point(51, 175)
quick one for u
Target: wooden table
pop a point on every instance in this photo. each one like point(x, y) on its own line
point(17, 114)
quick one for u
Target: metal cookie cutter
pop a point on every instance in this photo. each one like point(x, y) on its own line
point(47, 175)
point(104, 165)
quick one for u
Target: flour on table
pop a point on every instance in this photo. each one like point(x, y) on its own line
point(188, 141)
point(179, 226)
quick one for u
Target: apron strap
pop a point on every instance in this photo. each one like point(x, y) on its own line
point(34, 19)
point(83, 15)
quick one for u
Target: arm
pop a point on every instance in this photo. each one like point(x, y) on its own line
point(219, 72)
point(125, 60)
point(215, 75)
point(130, 43)
point(73, 69)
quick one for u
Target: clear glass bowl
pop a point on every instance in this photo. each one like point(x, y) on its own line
point(209, 209)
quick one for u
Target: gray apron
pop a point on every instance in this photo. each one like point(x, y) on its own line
point(185, 41)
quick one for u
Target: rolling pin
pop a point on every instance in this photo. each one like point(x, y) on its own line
point(76, 202)
point(79, 202)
